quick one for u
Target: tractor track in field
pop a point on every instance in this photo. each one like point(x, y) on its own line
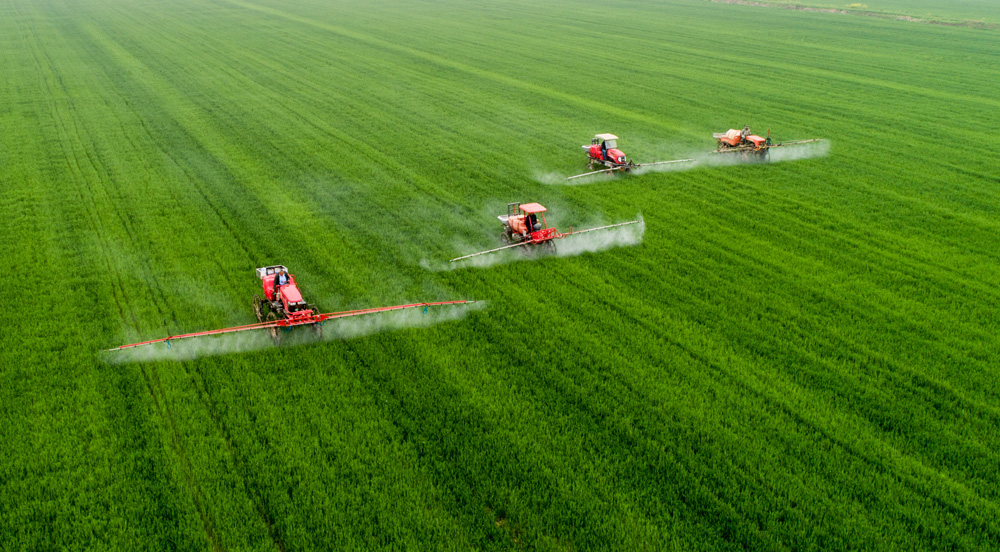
point(911, 266)
point(120, 296)
point(118, 291)
point(860, 12)
point(322, 127)
point(692, 483)
point(919, 380)
point(177, 443)
point(160, 399)
point(910, 477)
point(194, 179)
point(76, 136)
point(451, 64)
point(47, 72)
point(127, 60)
point(168, 153)
point(159, 299)
point(256, 496)
point(398, 407)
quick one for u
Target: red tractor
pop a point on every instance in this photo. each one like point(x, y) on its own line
point(282, 302)
point(522, 228)
point(521, 225)
point(603, 150)
point(283, 308)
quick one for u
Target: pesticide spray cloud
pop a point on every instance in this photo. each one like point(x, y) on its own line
point(694, 161)
point(256, 340)
point(357, 326)
point(570, 246)
point(188, 349)
point(801, 151)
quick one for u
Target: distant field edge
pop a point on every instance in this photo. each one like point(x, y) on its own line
point(861, 10)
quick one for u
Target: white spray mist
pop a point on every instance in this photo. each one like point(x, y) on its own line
point(256, 340)
point(795, 152)
point(570, 246)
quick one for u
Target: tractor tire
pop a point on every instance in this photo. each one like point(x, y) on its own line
point(318, 329)
point(258, 306)
point(505, 237)
point(273, 332)
point(550, 247)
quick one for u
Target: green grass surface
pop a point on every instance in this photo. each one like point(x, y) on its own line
point(986, 11)
point(798, 355)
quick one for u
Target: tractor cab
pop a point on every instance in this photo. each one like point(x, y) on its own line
point(291, 298)
point(604, 147)
point(283, 306)
point(610, 140)
point(267, 275)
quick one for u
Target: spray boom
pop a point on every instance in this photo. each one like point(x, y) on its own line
point(288, 323)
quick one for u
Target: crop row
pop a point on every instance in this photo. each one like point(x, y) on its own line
point(798, 355)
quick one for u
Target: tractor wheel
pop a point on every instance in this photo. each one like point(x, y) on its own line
point(257, 308)
point(505, 237)
point(318, 330)
point(273, 332)
point(550, 247)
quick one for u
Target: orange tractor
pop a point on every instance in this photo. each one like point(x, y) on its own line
point(521, 225)
point(750, 146)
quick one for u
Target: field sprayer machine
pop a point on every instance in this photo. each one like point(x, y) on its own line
point(522, 228)
point(603, 151)
point(750, 147)
point(282, 308)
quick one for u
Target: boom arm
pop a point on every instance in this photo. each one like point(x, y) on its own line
point(768, 146)
point(797, 142)
point(556, 236)
point(613, 169)
point(491, 251)
point(314, 319)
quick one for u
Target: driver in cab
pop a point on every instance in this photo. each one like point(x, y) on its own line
point(280, 279)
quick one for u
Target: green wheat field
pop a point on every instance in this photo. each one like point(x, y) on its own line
point(794, 355)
